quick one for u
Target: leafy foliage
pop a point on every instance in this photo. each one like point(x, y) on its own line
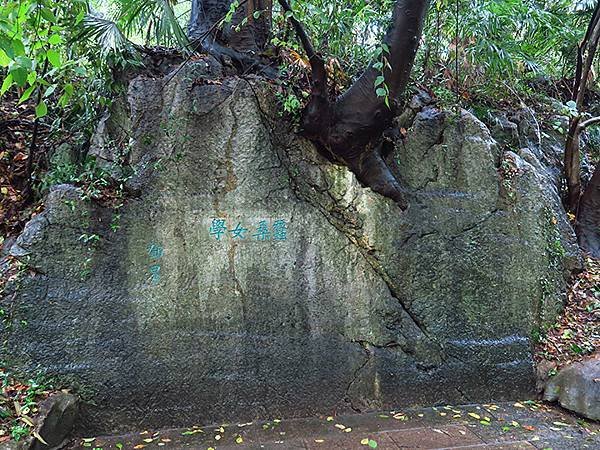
point(477, 44)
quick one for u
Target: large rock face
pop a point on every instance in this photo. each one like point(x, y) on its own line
point(359, 305)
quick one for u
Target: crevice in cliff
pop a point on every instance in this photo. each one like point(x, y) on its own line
point(465, 397)
point(343, 218)
point(475, 224)
point(356, 374)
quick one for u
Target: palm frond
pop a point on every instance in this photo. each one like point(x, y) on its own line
point(152, 20)
point(107, 34)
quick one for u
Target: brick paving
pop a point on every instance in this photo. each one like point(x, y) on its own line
point(501, 426)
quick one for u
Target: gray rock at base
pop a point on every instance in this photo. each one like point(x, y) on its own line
point(54, 422)
point(361, 306)
point(577, 388)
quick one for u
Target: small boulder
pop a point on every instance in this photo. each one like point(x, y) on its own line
point(54, 422)
point(577, 388)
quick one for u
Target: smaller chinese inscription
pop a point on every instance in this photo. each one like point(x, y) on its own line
point(155, 252)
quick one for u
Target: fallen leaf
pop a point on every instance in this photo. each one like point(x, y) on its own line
point(561, 424)
point(39, 438)
point(475, 416)
point(27, 420)
point(239, 440)
point(340, 426)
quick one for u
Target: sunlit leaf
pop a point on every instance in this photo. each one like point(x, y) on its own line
point(41, 110)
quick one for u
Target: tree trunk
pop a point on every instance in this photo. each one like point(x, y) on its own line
point(586, 52)
point(350, 128)
point(251, 36)
point(588, 218)
point(572, 165)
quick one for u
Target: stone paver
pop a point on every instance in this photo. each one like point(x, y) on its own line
point(502, 426)
point(432, 438)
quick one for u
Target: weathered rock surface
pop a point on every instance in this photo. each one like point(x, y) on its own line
point(577, 388)
point(361, 306)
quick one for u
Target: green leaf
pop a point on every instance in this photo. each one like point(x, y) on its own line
point(50, 90)
point(378, 65)
point(27, 94)
point(381, 92)
point(379, 80)
point(41, 110)
point(48, 15)
point(372, 443)
point(6, 84)
point(16, 49)
point(55, 39)
point(79, 17)
point(4, 59)
point(32, 77)
point(24, 62)
point(54, 57)
point(19, 75)
point(577, 349)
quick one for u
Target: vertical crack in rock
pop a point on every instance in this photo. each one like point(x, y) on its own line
point(230, 181)
point(357, 373)
point(238, 286)
point(345, 220)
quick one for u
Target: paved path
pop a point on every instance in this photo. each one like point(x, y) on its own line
point(524, 425)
